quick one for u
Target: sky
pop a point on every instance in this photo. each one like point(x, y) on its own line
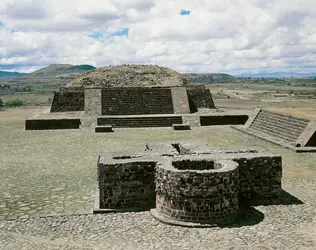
point(201, 36)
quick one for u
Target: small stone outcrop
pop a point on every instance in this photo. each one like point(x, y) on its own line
point(130, 76)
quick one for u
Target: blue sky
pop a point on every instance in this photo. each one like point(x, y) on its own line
point(188, 36)
point(185, 12)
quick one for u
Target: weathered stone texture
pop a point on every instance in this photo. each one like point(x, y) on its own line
point(136, 101)
point(191, 187)
point(208, 194)
point(92, 101)
point(199, 97)
point(127, 185)
point(180, 100)
point(259, 177)
point(66, 101)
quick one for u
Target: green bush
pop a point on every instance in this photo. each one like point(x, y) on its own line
point(14, 103)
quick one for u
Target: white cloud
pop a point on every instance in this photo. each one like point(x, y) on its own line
point(231, 36)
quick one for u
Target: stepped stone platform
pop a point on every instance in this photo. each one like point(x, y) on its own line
point(205, 117)
point(295, 133)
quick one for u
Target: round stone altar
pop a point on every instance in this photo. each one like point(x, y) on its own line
point(196, 192)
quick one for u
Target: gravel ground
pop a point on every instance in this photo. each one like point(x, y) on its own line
point(48, 179)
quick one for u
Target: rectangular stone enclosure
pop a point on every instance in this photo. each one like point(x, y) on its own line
point(128, 182)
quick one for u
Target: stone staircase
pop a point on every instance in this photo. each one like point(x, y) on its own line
point(284, 127)
point(139, 121)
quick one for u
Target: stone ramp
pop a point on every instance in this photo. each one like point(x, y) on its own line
point(295, 133)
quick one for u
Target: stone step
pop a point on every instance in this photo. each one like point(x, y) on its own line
point(181, 127)
point(104, 129)
point(273, 132)
point(289, 127)
point(141, 121)
point(276, 128)
point(281, 127)
point(284, 118)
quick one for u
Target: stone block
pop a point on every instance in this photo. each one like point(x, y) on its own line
point(181, 127)
point(104, 129)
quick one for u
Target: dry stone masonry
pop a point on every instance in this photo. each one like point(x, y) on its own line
point(183, 185)
point(197, 190)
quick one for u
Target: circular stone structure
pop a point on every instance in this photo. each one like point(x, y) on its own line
point(196, 192)
point(130, 75)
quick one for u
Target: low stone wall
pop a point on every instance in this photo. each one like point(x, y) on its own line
point(197, 191)
point(126, 184)
point(213, 120)
point(47, 124)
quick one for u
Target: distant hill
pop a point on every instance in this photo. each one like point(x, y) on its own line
point(50, 77)
point(279, 75)
point(7, 74)
point(205, 78)
point(59, 69)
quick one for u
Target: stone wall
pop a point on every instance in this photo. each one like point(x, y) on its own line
point(126, 184)
point(200, 192)
point(212, 120)
point(199, 97)
point(259, 177)
point(68, 101)
point(46, 124)
point(136, 101)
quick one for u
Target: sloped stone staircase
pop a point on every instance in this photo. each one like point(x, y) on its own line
point(285, 127)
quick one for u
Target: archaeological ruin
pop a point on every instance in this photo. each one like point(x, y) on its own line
point(295, 133)
point(185, 186)
point(132, 96)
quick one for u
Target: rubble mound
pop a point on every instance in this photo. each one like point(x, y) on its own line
point(130, 76)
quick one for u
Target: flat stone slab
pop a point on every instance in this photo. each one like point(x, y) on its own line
point(104, 129)
point(181, 127)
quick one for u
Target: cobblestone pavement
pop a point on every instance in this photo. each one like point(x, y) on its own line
point(54, 173)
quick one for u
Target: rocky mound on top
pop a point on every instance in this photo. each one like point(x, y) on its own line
point(129, 76)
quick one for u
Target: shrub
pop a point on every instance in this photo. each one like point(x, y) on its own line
point(14, 103)
point(1, 103)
